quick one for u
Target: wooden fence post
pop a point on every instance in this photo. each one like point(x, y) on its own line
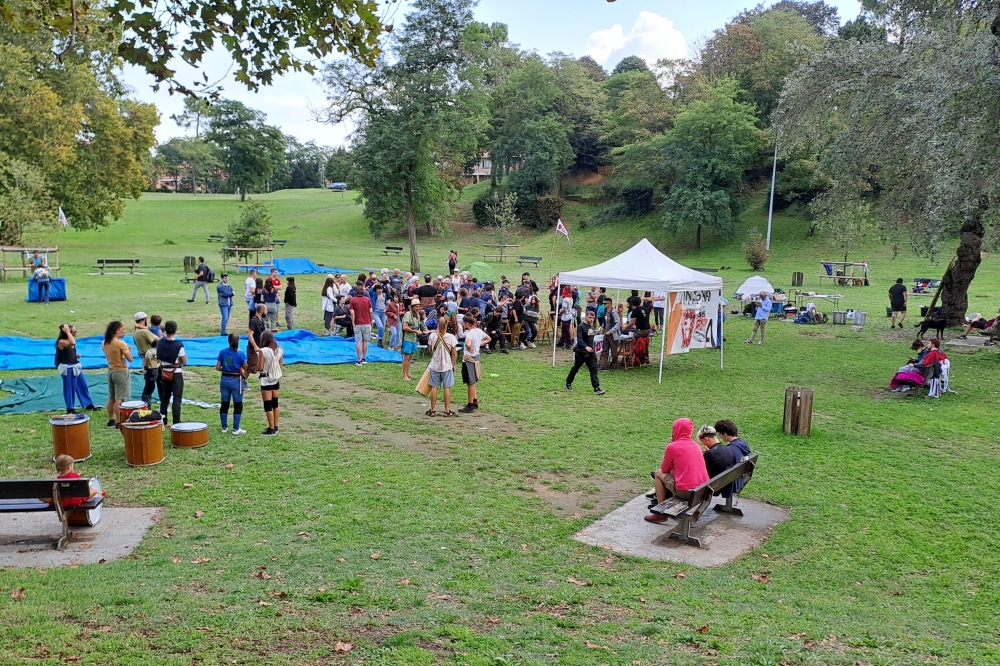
point(798, 411)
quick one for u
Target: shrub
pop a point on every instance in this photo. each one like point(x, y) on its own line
point(251, 229)
point(637, 200)
point(481, 208)
point(755, 249)
point(549, 210)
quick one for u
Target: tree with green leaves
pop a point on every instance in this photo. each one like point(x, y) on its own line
point(195, 115)
point(630, 63)
point(639, 109)
point(909, 126)
point(340, 167)
point(251, 150)
point(701, 161)
point(420, 117)
point(306, 164)
point(264, 38)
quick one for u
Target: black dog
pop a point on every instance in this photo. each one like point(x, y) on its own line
point(937, 324)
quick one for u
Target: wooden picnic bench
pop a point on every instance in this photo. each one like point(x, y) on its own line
point(690, 510)
point(215, 238)
point(391, 248)
point(104, 263)
point(498, 252)
point(521, 261)
point(706, 270)
point(22, 496)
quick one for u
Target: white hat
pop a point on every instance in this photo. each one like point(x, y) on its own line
point(139, 316)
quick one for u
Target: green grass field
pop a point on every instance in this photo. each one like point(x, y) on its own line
point(422, 541)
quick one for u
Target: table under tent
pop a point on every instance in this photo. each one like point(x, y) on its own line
point(693, 315)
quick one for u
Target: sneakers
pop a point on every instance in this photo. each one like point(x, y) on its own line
point(112, 424)
point(599, 391)
point(238, 432)
point(190, 300)
point(569, 387)
point(749, 342)
point(270, 432)
point(359, 364)
point(761, 342)
point(531, 345)
point(522, 346)
point(656, 518)
point(225, 430)
point(468, 409)
point(92, 408)
point(364, 361)
point(504, 351)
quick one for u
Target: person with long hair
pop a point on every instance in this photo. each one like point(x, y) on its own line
point(258, 297)
point(529, 332)
point(290, 304)
point(119, 355)
point(232, 363)
point(172, 356)
point(394, 312)
point(379, 304)
point(68, 364)
point(329, 294)
point(452, 262)
point(566, 316)
point(271, 299)
point(270, 380)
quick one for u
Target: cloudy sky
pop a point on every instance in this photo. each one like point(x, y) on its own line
point(607, 31)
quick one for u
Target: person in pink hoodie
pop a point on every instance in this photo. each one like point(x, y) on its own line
point(682, 470)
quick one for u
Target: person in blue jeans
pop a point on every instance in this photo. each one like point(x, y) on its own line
point(378, 305)
point(224, 290)
point(43, 280)
point(232, 363)
point(763, 304)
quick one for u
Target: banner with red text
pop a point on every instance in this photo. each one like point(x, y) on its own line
point(693, 320)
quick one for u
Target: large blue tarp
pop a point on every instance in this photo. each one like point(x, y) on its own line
point(299, 346)
point(57, 290)
point(300, 266)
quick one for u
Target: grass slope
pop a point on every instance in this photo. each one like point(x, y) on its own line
point(888, 557)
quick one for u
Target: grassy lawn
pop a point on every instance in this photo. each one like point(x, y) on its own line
point(421, 541)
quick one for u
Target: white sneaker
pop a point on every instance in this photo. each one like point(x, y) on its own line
point(531, 344)
point(225, 430)
point(237, 433)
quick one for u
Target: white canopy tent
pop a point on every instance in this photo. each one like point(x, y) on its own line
point(644, 268)
point(752, 286)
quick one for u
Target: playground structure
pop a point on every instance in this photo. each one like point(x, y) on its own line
point(846, 273)
point(24, 264)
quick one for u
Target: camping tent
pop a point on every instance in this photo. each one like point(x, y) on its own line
point(753, 286)
point(483, 272)
point(645, 268)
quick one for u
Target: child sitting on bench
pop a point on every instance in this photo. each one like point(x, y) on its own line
point(64, 470)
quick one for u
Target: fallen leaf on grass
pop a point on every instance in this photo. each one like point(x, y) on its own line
point(176, 560)
point(340, 559)
point(304, 535)
point(263, 575)
point(340, 646)
point(524, 546)
point(703, 630)
point(761, 578)
point(375, 556)
point(71, 659)
point(378, 483)
point(273, 558)
point(441, 597)
point(795, 637)
point(199, 514)
point(493, 620)
point(83, 546)
point(642, 600)
point(230, 466)
point(189, 485)
point(765, 555)
point(17, 594)
point(595, 646)
point(201, 560)
point(264, 603)
point(680, 574)
point(577, 581)
point(404, 581)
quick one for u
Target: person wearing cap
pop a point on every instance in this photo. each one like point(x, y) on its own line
point(225, 294)
point(413, 325)
point(145, 344)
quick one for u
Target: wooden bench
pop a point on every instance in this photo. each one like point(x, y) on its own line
point(22, 496)
point(706, 270)
point(279, 242)
point(389, 248)
point(104, 263)
point(521, 261)
point(215, 238)
point(690, 510)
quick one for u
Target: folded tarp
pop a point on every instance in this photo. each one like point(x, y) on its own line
point(44, 394)
point(299, 266)
point(57, 290)
point(299, 346)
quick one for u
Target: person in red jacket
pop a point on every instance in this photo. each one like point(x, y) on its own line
point(64, 470)
point(682, 470)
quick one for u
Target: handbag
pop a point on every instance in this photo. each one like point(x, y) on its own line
point(167, 374)
point(423, 386)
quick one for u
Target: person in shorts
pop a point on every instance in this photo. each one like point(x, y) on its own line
point(413, 325)
point(362, 317)
point(475, 338)
point(897, 302)
point(444, 350)
point(119, 355)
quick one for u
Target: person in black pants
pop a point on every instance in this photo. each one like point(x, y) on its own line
point(172, 357)
point(585, 354)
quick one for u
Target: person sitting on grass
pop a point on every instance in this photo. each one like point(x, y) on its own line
point(64, 470)
point(682, 469)
point(980, 323)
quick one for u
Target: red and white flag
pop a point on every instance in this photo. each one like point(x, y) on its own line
point(561, 228)
point(62, 217)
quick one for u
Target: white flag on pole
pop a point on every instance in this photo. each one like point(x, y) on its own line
point(62, 217)
point(561, 228)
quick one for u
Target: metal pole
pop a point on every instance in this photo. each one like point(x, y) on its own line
point(555, 322)
point(722, 333)
point(770, 209)
point(663, 334)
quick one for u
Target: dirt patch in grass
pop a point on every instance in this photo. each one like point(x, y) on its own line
point(572, 498)
point(816, 334)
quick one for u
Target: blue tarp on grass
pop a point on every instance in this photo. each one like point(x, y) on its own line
point(300, 347)
point(300, 266)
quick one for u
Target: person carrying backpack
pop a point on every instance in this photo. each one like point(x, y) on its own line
point(203, 275)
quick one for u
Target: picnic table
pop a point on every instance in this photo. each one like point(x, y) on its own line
point(499, 252)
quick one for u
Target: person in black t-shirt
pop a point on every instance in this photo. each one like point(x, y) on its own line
point(172, 357)
point(718, 458)
point(585, 354)
point(200, 280)
point(639, 318)
point(897, 302)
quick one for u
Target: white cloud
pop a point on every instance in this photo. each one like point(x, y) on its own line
point(651, 38)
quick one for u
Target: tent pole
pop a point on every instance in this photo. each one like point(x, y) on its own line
point(663, 336)
point(722, 332)
point(555, 322)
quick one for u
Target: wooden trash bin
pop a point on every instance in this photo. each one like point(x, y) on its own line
point(798, 411)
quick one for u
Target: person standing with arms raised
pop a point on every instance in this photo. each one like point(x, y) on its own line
point(119, 355)
point(361, 317)
point(760, 319)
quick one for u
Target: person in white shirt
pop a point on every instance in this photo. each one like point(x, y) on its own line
point(566, 314)
point(250, 288)
point(475, 338)
point(444, 351)
point(343, 288)
point(659, 306)
point(270, 380)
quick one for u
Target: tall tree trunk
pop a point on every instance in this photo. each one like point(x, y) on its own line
point(194, 176)
point(955, 283)
point(411, 231)
point(697, 243)
point(243, 194)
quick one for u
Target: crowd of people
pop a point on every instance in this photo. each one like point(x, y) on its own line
point(688, 464)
